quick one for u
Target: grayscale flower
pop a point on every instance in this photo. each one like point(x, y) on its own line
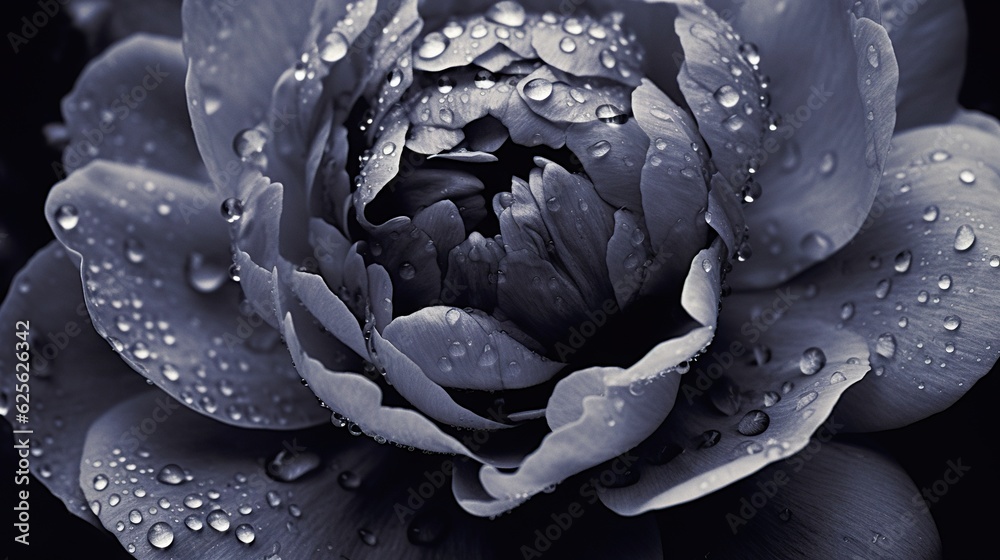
point(577, 252)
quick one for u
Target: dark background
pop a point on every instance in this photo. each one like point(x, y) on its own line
point(36, 79)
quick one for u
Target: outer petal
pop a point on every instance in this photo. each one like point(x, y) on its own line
point(929, 79)
point(599, 413)
point(818, 184)
point(72, 376)
point(155, 268)
point(306, 495)
point(832, 500)
point(128, 106)
point(758, 399)
point(233, 68)
point(920, 282)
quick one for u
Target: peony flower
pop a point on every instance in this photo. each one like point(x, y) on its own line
point(594, 259)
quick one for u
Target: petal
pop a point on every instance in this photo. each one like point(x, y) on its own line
point(832, 500)
point(158, 289)
point(73, 378)
point(929, 79)
point(818, 185)
point(128, 106)
point(597, 414)
point(336, 388)
point(224, 96)
point(757, 398)
point(725, 97)
point(919, 284)
point(114, 20)
point(301, 494)
point(467, 350)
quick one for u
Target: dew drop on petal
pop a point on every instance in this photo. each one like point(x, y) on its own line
point(754, 423)
point(171, 474)
point(902, 262)
point(944, 282)
point(193, 522)
point(727, 96)
point(245, 534)
point(885, 345)
point(218, 520)
point(931, 213)
point(67, 217)
point(611, 114)
point(812, 360)
point(433, 46)
point(160, 535)
point(599, 149)
point(967, 177)
point(334, 47)
point(232, 209)
point(538, 89)
point(965, 237)
point(952, 322)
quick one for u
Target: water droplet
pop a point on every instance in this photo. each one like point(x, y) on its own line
point(171, 474)
point(816, 245)
point(944, 282)
point(245, 534)
point(388, 149)
point(882, 288)
point(203, 275)
point(453, 316)
point(608, 59)
point(538, 89)
point(488, 357)
point(599, 149)
point(967, 176)
point(394, 77)
point(709, 439)
point(445, 84)
point(485, 79)
point(507, 13)
point(837, 377)
point(218, 520)
point(611, 114)
point(100, 482)
point(771, 398)
point(289, 467)
point(727, 96)
point(433, 46)
point(232, 209)
point(192, 522)
point(67, 216)
point(812, 360)
point(734, 123)
point(750, 53)
point(334, 47)
point(407, 272)
point(135, 517)
point(952, 322)
point(114, 500)
point(754, 423)
point(786, 513)
point(573, 26)
point(940, 155)
point(847, 311)
point(349, 480)
point(367, 537)
point(828, 163)
point(995, 261)
point(964, 238)
point(249, 142)
point(885, 345)
point(160, 535)
point(902, 261)
point(873, 57)
point(805, 400)
point(706, 265)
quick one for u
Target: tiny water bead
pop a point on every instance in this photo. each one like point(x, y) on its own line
point(754, 423)
point(193, 522)
point(67, 217)
point(232, 209)
point(727, 96)
point(171, 474)
point(812, 360)
point(967, 177)
point(965, 237)
point(885, 345)
point(249, 142)
point(100, 482)
point(611, 114)
point(538, 89)
point(599, 149)
point(931, 213)
point(952, 322)
point(335, 47)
